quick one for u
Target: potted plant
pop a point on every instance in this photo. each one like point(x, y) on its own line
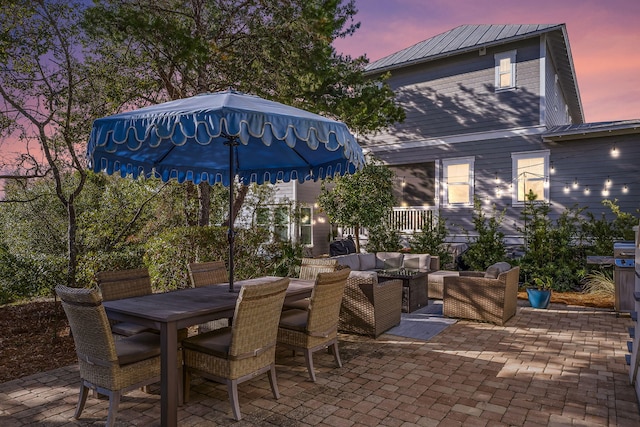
point(540, 294)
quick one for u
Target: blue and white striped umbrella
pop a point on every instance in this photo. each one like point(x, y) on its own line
point(190, 139)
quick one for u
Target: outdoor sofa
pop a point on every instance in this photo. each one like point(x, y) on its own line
point(388, 261)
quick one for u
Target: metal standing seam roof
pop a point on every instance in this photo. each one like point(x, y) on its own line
point(583, 130)
point(466, 38)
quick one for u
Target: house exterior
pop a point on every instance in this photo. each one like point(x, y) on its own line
point(493, 111)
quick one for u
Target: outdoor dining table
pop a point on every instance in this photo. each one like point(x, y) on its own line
point(170, 311)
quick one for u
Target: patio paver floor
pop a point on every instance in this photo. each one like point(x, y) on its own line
point(562, 366)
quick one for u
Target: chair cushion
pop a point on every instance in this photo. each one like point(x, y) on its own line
point(301, 304)
point(215, 343)
point(438, 276)
point(137, 348)
point(352, 261)
point(296, 320)
point(493, 271)
point(128, 329)
point(417, 261)
point(367, 261)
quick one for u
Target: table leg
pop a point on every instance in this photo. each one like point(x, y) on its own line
point(169, 379)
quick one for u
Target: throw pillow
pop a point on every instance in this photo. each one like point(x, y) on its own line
point(417, 261)
point(393, 262)
point(493, 271)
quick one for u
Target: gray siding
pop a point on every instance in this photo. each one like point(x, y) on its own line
point(590, 161)
point(556, 107)
point(457, 96)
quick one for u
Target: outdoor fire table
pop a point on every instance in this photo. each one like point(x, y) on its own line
point(414, 287)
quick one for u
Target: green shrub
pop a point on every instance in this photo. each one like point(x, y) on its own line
point(168, 254)
point(383, 238)
point(28, 277)
point(431, 240)
point(487, 247)
point(552, 249)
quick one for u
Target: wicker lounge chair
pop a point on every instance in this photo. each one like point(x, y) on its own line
point(474, 296)
point(244, 350)
point(317, 327)
point(111, 367)
point(205, 274)
point(120, 284)
point(368, 307)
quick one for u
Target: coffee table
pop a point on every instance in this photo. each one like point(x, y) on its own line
point(415, 293)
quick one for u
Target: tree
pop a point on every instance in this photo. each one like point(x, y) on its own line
point(364, 199)
point(280, 50)
point(46, 102)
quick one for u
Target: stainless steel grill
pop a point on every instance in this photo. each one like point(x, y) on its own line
point(624, 276)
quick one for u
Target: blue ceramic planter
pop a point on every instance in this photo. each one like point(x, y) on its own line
point(539, 298)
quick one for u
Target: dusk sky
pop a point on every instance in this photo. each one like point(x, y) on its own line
point(604, 37)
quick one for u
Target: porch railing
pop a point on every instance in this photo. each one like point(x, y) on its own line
point(406, 220)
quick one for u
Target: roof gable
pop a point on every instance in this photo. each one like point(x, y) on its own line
point(459, 40)
point(467, 38)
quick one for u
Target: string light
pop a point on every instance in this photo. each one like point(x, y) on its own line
point(553, 168)
point(605, 192)
point(566, 188)
point(586, 190)
point(575, 183)
point(614, 151)
point(608, 183)
point(625, 189)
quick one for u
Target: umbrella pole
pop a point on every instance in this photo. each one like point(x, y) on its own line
point(231, 142)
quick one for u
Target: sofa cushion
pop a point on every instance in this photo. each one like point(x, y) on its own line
point(417, 261)
point(367, 261)
point(352, 261)
point(389, 260)
point(493, 271)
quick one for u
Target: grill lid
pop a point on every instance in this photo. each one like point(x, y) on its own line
point(624, 250)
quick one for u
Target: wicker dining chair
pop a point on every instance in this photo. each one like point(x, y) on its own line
point(244, 350)
point(317, 327)
point(110, 367)
point(205, 274)
point(118, 284)
point(309, 269)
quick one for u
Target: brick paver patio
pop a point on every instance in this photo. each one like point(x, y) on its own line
point(564, 366)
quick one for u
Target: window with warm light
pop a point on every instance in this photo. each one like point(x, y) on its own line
point(280, 221)
point(458, 181)
point(305, 226)
point(530, 173)
point(505, 70)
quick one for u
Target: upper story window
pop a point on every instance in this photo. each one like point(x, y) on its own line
point(530, 173)
point(306, 226)
point(505, 70)
point(458, 181)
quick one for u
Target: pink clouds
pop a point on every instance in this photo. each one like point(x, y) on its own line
point(604, 39)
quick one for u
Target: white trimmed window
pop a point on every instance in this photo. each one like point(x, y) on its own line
point(279, 220)
point(530, 173)
point(505, 70)
point(306, 226)
point(458, 181)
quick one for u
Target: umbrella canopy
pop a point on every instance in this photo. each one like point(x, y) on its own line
point(220, 137)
